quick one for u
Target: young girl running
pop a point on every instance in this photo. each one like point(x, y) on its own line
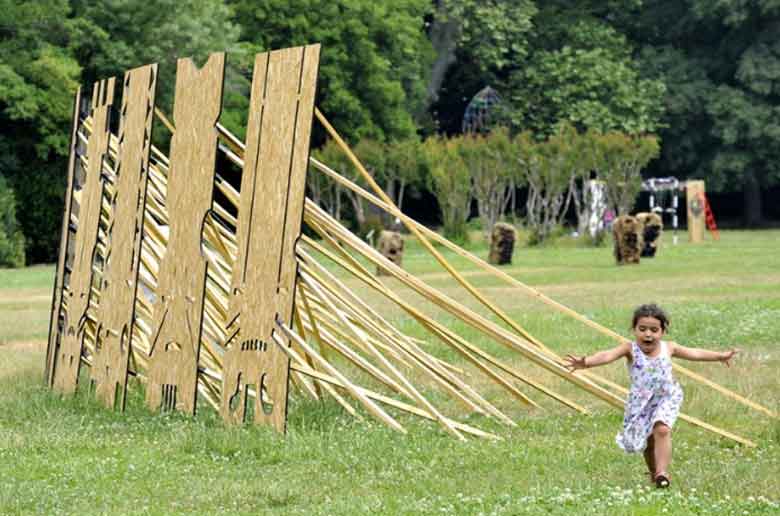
point(655, 397)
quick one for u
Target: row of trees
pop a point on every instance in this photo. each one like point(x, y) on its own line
point(701, 74)
point(489, 169)
point(706, 84)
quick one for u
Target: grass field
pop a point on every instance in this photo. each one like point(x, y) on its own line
point(70, 456)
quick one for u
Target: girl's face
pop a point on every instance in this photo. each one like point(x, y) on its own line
point(648, 332)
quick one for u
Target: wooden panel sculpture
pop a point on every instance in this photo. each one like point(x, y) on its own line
point(119, 281)
point(55, 324)
point(272, 187)
point(178, 309)
point(77, 293)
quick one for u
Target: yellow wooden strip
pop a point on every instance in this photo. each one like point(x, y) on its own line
point(409, 388)
point(441, 376)
point(351, 388)
point(528, 289)
point(395, 403)
point(116, 312)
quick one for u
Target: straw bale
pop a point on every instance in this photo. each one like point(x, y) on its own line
point(391, 245)
point(502, 243)
point(627, 232)
point(652, 228)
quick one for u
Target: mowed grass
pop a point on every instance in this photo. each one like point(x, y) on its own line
point(71, 456)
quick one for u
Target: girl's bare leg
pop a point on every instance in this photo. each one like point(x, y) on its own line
point(662, 446)
point(649, 454)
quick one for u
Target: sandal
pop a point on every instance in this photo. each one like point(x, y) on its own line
point(662, 481)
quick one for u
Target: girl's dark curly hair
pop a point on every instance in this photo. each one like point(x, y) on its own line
point(651, 310)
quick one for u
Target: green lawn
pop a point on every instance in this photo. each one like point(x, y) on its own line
point(70, 456)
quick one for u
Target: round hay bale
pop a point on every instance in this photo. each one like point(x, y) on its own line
point(652, 228)
point(391, 245)
point(627, 232)
point(502, 243)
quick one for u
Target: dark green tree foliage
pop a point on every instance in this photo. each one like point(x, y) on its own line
point(11, 239)
point(48, 48)
point(374, 59)
point(477, 44)
point(589, 79)
point(117, 35)
point(495, 32)
point(721, 63)
point(565, 63)
point(38, 77)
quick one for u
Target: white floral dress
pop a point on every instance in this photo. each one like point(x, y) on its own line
point(654, 396)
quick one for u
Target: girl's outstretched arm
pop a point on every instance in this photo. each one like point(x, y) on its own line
point(703, 355)
point(574, 362)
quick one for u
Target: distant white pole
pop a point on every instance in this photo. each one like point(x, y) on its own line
point(674, 214)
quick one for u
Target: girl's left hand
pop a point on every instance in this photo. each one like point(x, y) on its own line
point(726, 356)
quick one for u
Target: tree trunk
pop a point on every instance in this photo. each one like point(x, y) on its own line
point(401, 196)
point(751, 192)
point(444, 38)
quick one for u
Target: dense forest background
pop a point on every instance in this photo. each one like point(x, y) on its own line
point(701, 75)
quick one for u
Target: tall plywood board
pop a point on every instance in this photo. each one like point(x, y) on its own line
point(269, 223)
point(77, 293)
point(178, 309)
point(119, 282)
point(55, 318)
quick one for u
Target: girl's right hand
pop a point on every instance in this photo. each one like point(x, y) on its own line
point(573, 363)
point(726, 356)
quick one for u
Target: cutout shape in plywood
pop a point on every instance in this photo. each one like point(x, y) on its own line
point(55, 323)
point(118, 287)
point(269, 223)
point(178, 309)
point(79, 289)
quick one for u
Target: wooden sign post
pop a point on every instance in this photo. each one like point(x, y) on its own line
point(694, 197)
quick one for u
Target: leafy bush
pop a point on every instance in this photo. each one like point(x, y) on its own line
point(450, 181)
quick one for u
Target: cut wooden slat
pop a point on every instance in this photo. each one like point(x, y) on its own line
point(357, 393)
point(120, 279)
point(269, 218)
point(78, 291)
point(55, 330)
point(178, 309)
point(534, 293)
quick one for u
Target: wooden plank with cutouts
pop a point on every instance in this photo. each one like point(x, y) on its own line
point(269, 223)
point(55, 318)
point(178, 309)
point(76, 294)
point(116, 311)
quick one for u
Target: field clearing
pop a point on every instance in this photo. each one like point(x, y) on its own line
point(72, 456)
